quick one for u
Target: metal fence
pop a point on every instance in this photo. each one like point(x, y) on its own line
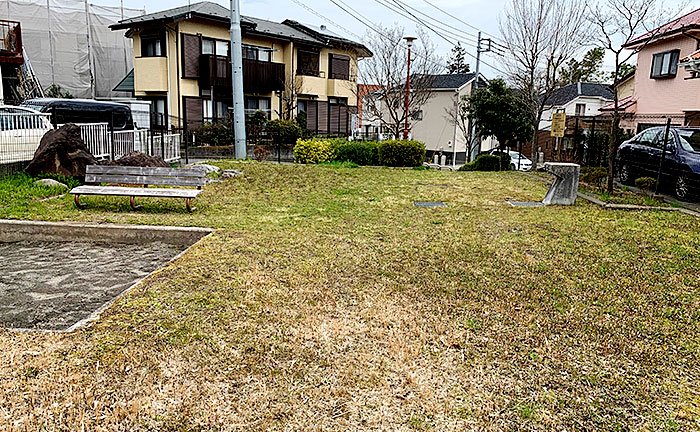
point(21, 134)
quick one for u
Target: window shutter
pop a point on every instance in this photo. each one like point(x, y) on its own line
point(334, 126)
point(340, 66)
point(312, 116)
point(191, 50)
point(322, 117)
point(344, 120)
point(193, 112)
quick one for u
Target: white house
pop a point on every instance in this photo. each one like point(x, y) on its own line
point(580, 99)
point(432, 124)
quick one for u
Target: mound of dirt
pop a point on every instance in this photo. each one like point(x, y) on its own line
point(139, 159)
point(61, 151)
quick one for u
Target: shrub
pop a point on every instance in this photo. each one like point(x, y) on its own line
point(359, 152)
point(483, 163)
point(401, 153)
point(594, 176)
point(260, 153)
point(645, 183)
point(284, 131)
point(313, 151)
point(215, 134)
point(505, 161)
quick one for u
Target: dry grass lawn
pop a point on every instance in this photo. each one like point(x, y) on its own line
point(327, 301)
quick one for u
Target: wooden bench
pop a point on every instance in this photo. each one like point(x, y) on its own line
point(141, 176)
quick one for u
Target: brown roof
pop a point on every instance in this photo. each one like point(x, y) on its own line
point(686, 22)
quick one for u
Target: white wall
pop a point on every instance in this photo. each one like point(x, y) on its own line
point(593, 105)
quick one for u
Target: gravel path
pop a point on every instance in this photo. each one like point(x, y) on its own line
point(53, 285)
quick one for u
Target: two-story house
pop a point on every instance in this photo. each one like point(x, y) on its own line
point(662, 89)
point(182, 65)
point(580, 99)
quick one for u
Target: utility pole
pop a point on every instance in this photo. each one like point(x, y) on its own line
point(475, 145)
point(409, 44)
point(237, 78)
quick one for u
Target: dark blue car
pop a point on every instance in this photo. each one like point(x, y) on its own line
point(641, 156)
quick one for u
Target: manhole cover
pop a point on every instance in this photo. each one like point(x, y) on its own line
point(525, 204)
point(429, 204)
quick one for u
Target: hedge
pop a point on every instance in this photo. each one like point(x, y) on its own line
point(483, 163)
point(394, 153)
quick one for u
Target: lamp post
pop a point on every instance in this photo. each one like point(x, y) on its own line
point(409, 43)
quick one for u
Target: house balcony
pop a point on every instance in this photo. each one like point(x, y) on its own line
point(10, 42)
point(151, 74)
point(341, 88)
point(311, 85)
point(258, 76)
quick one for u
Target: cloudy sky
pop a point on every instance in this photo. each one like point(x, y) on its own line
point(481, 14)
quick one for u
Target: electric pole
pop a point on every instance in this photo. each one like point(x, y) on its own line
point(237, 78)
point(475, 144)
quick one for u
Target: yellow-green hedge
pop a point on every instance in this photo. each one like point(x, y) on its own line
point(313, 151)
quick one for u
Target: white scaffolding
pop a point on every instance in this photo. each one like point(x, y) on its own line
point(70, 44)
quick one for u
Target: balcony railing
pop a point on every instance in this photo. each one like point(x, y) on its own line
point(258, 76)
point(10, 41)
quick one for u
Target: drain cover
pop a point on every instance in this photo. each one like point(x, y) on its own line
point(525, 204)
point(429, 204)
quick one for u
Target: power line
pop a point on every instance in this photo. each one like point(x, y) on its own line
point(460, 20)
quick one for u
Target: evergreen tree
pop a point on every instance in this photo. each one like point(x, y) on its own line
point(457, 63)
point(586, 70)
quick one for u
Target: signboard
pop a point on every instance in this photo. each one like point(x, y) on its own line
point(558, 124)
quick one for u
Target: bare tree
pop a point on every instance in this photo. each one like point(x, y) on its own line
point(540, 35)
point(458, 115)
point(388, 69)
point(619, 24)
point(293, 87)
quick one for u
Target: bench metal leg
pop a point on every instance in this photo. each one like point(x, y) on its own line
point(188, 203)
point(76, 199)
point(132, 201)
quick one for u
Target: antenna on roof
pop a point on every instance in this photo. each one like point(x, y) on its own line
point(323, 27)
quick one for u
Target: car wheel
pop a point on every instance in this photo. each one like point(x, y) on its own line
point(512, 167)
point(626, 176)
point(683, 187)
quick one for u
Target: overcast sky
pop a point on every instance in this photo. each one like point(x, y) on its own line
point(482, 14)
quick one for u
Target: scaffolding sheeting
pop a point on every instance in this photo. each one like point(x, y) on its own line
point(70, 44)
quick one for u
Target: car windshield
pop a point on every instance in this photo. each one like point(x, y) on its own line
point(516, 155)
point(690, 140)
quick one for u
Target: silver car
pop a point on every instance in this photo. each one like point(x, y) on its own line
point(21, 130)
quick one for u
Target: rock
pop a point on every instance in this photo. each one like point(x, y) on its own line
point(231, 173)
point(50, 183)
point(61, 151)
point(139, 159)
point(207, 168)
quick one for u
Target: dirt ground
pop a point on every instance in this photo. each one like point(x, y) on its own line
point(53, 285)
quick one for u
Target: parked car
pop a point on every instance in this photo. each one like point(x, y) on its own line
point(21, 130)
point(517, 160)
point(641, 156)
point(64, 111)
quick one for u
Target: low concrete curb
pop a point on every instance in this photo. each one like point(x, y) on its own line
point(20, 230)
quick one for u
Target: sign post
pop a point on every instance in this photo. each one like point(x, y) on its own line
point(558, 125)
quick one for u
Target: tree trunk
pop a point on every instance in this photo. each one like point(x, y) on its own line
point(612, 145)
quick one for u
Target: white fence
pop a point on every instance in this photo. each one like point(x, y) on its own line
point(21, 134)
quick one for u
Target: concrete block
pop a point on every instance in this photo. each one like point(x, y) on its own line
point(564, 189)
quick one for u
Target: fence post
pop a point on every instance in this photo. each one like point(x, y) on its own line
point(162, 138)
point(111, 134)
point(186, 135)
point(663, 155)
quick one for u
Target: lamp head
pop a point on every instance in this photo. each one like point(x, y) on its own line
point(409, 40)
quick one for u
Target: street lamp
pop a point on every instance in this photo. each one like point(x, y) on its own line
point(409, 43)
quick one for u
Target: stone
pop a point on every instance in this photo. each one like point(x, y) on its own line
point(207, 168)
point(61, 151)
point(231, 173)
point(139, 159)
point(50, 183)
point(564, 189)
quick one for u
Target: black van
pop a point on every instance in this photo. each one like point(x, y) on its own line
point(84, 111)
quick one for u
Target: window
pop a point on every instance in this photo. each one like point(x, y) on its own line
point(418, 115)
point(152, 44)
point(251, 52)
point(301, 106)
point(339, 66)
point(212, 111)
point(665, 64)
point(646, 138)
point(580, 109)
point(157, 112)
point(215, 47)
point(307, 63)
point(253, 105)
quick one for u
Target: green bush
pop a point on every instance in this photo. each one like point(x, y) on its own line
point(313, 151)
point(284, 131)
point(594, 176)
point(484, 163)
point(401, 153)
point(645, 183)
point(505, 161)
point(359, 152)
point(215, 134)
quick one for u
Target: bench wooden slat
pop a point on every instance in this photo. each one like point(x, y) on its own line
point(144, 180)
point(147, 171)
point(139, 192)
